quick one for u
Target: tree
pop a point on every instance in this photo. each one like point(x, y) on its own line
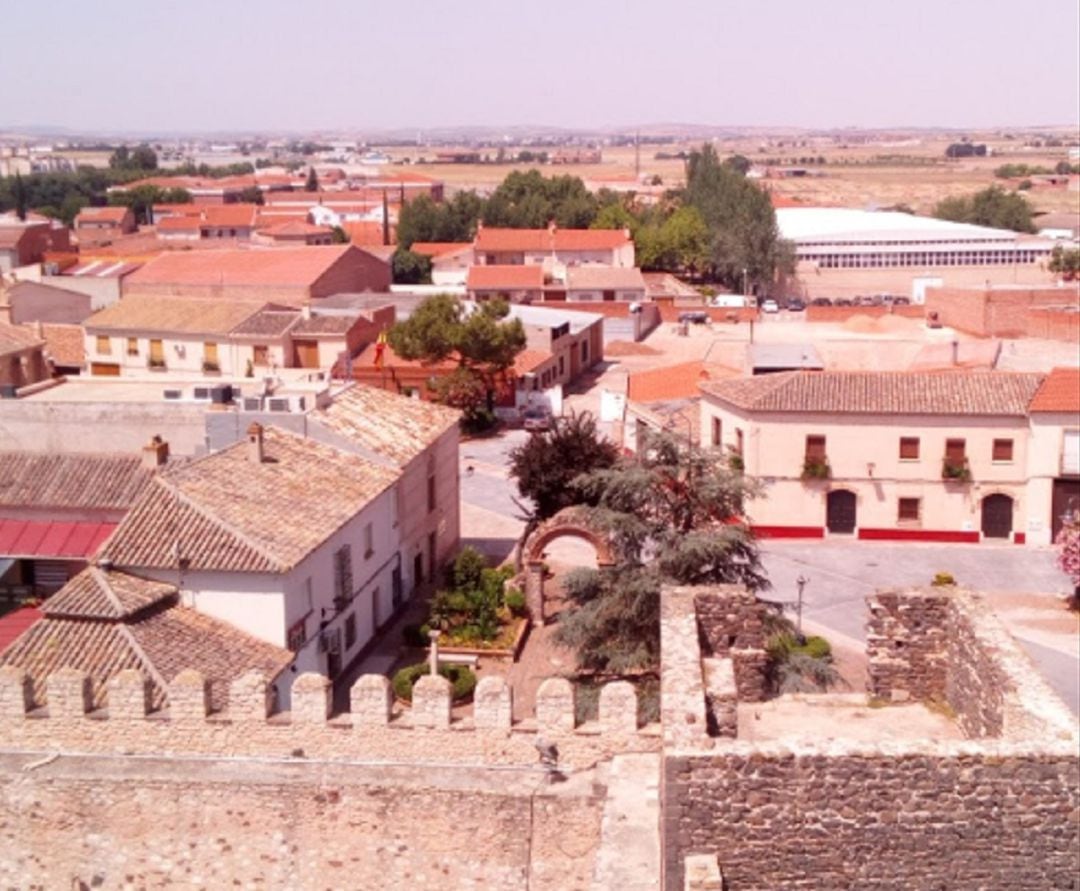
point(140, 158)
point(18, 194)
point(409, 268)
point(744, 239)
point(993, 207)
point(312, 184)
point(1065, 262)
point(530, 201)
point(339, 235)
point(547, 463)
point(140, 199)
point(672, 514)
point(422, 219)
point(482, 341)
point(252, 195)
point(1068, 544)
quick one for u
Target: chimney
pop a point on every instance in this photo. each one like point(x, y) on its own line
point(155, 453)
point(956, 352)
point(255, 443)
point(305, 311)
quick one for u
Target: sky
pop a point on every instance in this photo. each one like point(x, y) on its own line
point(321, 65)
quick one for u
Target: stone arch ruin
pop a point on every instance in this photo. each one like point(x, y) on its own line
point(570, 522)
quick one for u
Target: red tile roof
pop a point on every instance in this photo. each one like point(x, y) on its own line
point(46, 482)
point(229, 215)
point(672, 381)
point(179, 224)
point(493, 278)
point(1060, 392)
point(367, 233)
point(237, 266)
point(102, 215)
point(294, 228)
point(491, 239)
point(438, 248)
point(528, 361)
point(883, 392)
point(28, 538)
point(15, 623)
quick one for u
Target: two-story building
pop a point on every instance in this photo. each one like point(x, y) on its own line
point(98, 225)
point(1054, 454)
point(550, 246)
point(290, 540)
point(880, 455)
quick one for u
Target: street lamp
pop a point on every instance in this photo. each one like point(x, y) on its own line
point(800, 583)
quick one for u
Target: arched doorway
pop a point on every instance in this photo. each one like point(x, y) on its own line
point(840, 511)
point(567, 523)
point(997, 516)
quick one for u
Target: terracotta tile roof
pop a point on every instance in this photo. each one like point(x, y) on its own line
point(229, 215)
point(529, 360)
point(267, 323)
point(368, 233)
point(184, 210)
point(491, 239)
point(97, 594)
point(101, 215)
point(15, 623)
point(64, 344)
point(483, 278)
point(324, 325)
point(44, 481)
point(672, 381)
point(270, 266)
point(15, 338)
point(601, 277)
point(178, 224)
point(161, 639)
point(224, 512)
point(291, 227)
point(171, 315)
point(366, 358)
point(1060, 392)
point(922, 393)
point(438, 248)
point(389, 425)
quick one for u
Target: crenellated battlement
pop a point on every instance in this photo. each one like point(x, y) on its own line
point(374, 728)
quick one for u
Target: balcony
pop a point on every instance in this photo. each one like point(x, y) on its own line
point(155, 364)
point(210, 367)
point(955, 470)
point(816, 467)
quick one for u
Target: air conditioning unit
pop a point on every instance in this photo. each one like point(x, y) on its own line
point(252, 403)
point(278, 403)
point(202, 394)
point(173, 394)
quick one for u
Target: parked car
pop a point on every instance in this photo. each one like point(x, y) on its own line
point(843, 301)
point(901, 301)
point(536, 419)
point(770, 306)
point(696, 316)
point(796, 305)
point(821, 301)
point(874, 300)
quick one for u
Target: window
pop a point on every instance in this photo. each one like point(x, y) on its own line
point(1003, 450)
point(562, 366)
point(738, 440)
point(343, 573)
point(210, 354)
point(815, 448)
point(157, 353)
point(104, 345)
point(350, 631)
point(296, 635)
point(954, 451)
point(309, 597)
point(909, 448)
point(431, 493)
point(584, 351)
point(432, 543)
point(717, 430)
point(369, 541)
point(133, 346)
point(260, 355)
point(907, 510)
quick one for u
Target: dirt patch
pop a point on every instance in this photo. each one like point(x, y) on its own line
point(625, 348)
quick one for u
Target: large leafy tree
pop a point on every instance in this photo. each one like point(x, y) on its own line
point(546, 465)
point(744, 239)
point(138, 159)
point(422, 219)
point(992, 207)
point(409, 268)
point(531, 201)
point(480, 339)
point(673, 516)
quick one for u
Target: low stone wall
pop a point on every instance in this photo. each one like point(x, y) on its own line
point(956, 816)
point(906, 644)
point(732, 624)
point(373, 729)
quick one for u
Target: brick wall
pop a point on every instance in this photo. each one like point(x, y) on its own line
point(994, 313)
point(356, 270)
point(1053, 324)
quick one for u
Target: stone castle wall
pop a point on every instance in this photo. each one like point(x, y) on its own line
point(999, 810)
point(374, 729)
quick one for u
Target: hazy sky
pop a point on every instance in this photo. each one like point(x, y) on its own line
point(329, 64)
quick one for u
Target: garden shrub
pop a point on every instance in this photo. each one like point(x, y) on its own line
point(943, 580)
point(462, 680)
point(514, 600)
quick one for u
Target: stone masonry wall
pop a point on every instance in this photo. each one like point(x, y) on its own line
point(374, 729)
point(906, 642)
point(127, 823)
point(948, 817)
point(731, 623)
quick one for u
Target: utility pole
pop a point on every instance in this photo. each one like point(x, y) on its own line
point(801, 583)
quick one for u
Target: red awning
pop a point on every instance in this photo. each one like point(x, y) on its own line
point(29, 538)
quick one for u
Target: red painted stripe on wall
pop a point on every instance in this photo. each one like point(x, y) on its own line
point(944, 535)
point(788, 531)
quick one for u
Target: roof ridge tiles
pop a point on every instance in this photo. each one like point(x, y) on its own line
point(103, 585)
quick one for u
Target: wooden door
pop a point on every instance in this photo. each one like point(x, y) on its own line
point(997, 516)
point(105, 369)
point(307, 353)
point(840, 511)
point(260, 356)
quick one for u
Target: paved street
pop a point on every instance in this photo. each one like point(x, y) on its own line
point(1023, 584)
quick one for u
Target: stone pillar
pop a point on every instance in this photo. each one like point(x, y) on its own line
point(16, 692)
point(493, 704)
point(370, 700)
point(534, 591)
point(433, 651)
point(431, 701)
point(189, 696)
point(555, 707)
point(250, 698)
point(721, 697)
point(70, 693)
point(311, 699)
point(128, 695)
point(618, 707)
